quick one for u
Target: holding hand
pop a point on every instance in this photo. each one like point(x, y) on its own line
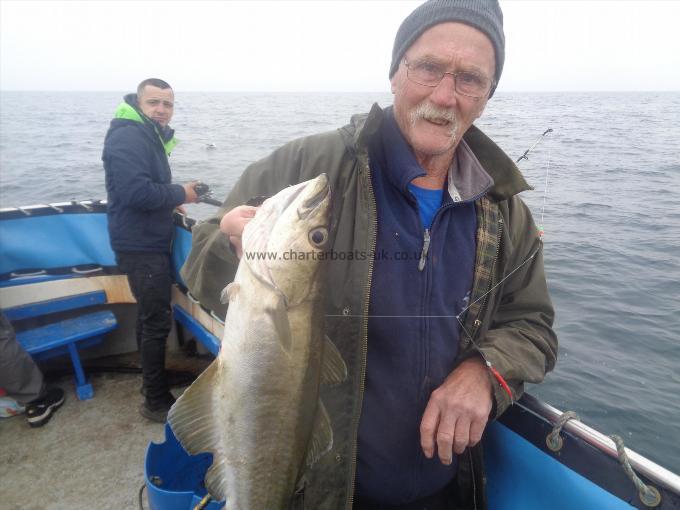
point(457, 412)
point(233, 224)
point(191, 197)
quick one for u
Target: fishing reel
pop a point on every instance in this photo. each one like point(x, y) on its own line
point(205, 194)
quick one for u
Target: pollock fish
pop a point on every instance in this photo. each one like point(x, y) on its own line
point(256, 408)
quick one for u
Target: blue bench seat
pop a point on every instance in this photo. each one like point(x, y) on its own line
point(48, 338)
point(67, 335)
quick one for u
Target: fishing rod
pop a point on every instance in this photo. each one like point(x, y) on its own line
point(205, 194)
point(526, 152)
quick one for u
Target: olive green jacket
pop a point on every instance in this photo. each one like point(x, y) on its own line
point(512, 324)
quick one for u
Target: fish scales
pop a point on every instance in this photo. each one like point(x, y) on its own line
point(257, 407)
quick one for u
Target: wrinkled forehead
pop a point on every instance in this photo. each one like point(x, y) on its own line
point(454, 40)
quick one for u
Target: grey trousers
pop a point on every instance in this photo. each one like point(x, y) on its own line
point(20, 377)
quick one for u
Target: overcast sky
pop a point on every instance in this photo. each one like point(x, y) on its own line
point(322, 45)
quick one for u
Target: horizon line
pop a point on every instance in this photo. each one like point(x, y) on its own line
point(526, 91)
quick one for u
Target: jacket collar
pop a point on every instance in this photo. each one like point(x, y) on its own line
point(507, 178)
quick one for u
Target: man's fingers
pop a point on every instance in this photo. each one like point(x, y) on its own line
point(445, 443)
point(234, 221)
point(428, 428)
point(462, 436)
point(476, 431)
point(446, 430)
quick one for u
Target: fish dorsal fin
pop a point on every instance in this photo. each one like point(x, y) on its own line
point(229, 293)
point(333, 368)
point(193, 421)
point(322, 436)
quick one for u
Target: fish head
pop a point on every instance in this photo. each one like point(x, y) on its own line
point(286, 242)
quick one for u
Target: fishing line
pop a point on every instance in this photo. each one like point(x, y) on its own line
point(545, 189)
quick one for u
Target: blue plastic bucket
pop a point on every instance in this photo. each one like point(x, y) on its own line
point(174, 479)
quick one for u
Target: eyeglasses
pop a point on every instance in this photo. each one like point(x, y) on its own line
point(430, 74)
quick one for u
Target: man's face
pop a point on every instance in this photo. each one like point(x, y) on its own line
point(433, 119)
point(157, 104)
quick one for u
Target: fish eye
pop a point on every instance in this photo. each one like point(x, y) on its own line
point(318, 236)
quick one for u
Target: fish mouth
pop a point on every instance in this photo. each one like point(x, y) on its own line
point(313, 202)
point(320, 197)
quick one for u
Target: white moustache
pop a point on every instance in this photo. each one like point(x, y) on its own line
point(429, 112)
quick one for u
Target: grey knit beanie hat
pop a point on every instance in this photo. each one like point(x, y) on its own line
point(484, 15)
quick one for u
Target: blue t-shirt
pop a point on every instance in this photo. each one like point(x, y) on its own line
point(429, 200)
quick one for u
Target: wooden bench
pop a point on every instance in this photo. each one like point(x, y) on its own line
point(67, 335)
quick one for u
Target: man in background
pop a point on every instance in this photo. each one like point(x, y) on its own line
point(141, 200)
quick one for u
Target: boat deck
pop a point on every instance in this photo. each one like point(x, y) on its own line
point(89, 455)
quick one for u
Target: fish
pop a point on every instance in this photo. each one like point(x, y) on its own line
point(257, 407)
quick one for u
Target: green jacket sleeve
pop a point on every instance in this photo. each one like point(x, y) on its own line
point(520, 341)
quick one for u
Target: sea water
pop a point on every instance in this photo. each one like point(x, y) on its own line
point(611, 215)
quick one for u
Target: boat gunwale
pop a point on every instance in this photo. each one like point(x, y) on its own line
point(640, 464)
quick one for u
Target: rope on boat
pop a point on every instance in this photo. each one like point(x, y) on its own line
point(649, 495)
point(554, 440)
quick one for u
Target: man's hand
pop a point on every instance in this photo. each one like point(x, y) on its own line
point(190, 193)
point(233, 224)
point(457, 412)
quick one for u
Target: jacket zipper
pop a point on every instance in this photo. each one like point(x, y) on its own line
point(364, 346)
point(427, 237)
point(423, 252)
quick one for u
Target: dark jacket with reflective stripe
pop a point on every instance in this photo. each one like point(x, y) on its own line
point(512, 324)
point(140, 196)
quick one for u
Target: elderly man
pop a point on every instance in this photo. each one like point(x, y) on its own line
point(141, 200)
point(415, 332)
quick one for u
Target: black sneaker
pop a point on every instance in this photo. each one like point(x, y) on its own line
point(40, 410)
point(157, 412)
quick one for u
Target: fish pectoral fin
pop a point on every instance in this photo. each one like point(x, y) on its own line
point(333, 368)
point(229, 292)
point(282, 324)
point(322, 436)
point(193, 421)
